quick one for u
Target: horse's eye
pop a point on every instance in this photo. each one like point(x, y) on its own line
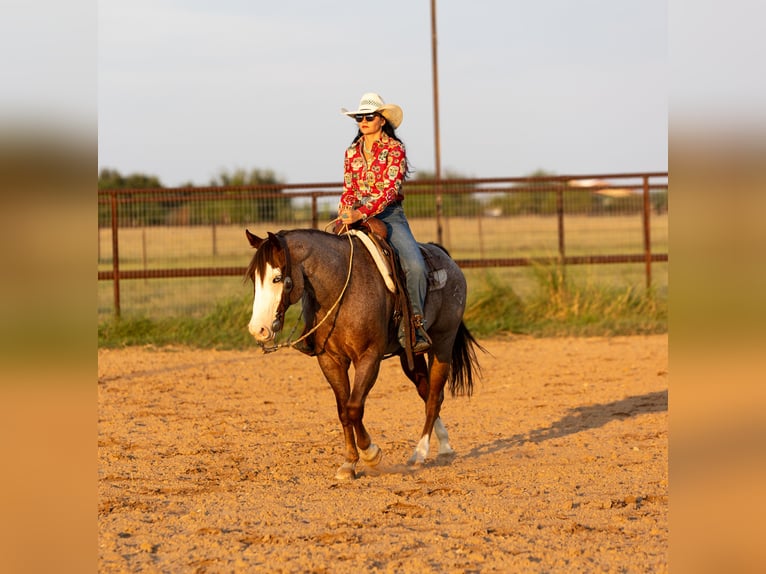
point(277, 279)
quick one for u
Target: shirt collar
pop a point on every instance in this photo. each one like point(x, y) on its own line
point(384, 140)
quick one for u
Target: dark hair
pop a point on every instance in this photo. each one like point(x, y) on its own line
point(389, 130)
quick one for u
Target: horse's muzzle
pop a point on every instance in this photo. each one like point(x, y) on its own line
point(262, 334)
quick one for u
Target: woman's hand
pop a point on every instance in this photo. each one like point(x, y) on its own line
point(349, 215)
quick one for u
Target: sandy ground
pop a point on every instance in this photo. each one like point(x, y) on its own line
point(215, 461)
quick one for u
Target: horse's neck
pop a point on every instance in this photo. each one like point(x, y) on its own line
point(322, 258)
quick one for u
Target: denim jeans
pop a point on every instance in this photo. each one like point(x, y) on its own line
point(401, 238)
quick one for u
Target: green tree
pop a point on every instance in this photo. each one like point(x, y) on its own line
point(112, 179)
point(423, 203)
point(266, 202)
point(149, 212)
point(539, 196)
point(659, 201)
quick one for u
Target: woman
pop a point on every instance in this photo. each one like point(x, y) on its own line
point(374, 169)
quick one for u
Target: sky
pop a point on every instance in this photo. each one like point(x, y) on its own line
point(188, 88)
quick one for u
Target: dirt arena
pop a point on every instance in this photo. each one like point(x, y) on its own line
point(224, 461)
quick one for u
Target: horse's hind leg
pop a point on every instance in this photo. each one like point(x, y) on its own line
point(430, 386)
point(418, 375)
point(445, 449)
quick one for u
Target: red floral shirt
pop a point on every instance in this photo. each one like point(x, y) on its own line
point(370, 189)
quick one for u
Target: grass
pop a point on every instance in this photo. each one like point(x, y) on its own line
point(564, 307)
point(559, 305)
point(213, 312)
point(223, 328)
point(555, 304)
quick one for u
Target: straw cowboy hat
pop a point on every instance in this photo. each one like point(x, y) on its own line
point(372, 103)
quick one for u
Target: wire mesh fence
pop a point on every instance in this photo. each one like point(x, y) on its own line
point(166, 252)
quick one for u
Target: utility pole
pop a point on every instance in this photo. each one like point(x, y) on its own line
point(437, 146)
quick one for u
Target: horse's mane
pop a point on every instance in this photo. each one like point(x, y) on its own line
point(266, 253)
point(270, 252)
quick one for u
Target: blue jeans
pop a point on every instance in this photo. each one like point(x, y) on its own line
point(401, 238)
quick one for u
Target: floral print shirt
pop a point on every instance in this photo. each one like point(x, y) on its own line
point(371, 188)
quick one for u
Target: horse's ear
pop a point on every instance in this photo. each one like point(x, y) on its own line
point(254, 240)
point(279, 255)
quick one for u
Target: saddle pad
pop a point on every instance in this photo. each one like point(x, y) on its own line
point(380, 261)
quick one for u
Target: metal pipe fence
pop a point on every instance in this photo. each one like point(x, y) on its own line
point(156, 235)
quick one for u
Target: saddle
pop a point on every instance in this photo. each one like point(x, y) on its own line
point(377, 231)
point(374, 235)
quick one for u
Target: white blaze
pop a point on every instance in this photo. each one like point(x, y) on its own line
point(266, 297)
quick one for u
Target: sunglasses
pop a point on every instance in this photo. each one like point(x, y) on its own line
point(368, 117)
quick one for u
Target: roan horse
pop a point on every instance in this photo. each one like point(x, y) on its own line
point(341, 290)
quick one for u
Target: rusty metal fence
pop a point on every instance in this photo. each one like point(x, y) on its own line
point(150, 241)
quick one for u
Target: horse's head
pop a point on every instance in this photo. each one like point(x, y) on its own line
point(270, 272)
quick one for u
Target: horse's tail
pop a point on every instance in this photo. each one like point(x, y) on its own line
point(464, 362)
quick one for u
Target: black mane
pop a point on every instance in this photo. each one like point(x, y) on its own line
point(266, 253)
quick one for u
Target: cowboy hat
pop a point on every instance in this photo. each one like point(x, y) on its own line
point(372, 103)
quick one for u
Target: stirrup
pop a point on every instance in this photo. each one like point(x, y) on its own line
point(422, 340)
point(421, 344)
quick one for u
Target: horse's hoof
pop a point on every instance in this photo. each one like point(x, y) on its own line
point(372, 456)
point(346, 472)
point(415, 460)
point(421, 452)
point(446, 451)
point(445, 458)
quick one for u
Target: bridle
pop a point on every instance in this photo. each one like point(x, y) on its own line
point(285, 302)
point(287, 280)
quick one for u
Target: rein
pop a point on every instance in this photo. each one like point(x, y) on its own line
point(287, 288)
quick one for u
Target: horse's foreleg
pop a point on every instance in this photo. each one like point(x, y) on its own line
point(337, 375)
point(348, 469)
point(364, 379)
point(369, 452)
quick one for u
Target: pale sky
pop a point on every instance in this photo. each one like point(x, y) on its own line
point(187, 88)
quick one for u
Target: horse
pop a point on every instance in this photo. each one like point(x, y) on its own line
point(345, 298)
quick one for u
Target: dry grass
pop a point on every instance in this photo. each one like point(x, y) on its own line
point(522, 236)
point(486, 237)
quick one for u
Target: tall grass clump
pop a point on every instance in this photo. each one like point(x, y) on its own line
point(225, 327)
point(562, 306)
point(496, 308)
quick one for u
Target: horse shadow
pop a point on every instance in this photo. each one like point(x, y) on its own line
point(579, 419)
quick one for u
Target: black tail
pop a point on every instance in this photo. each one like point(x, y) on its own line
point(464, 362)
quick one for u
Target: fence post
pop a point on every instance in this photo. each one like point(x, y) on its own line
point(144, 258)
point(647, 234)
point(438, 204)
point(481, 235)
point(314, 211)
point(115, 256)
point(560, 217)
